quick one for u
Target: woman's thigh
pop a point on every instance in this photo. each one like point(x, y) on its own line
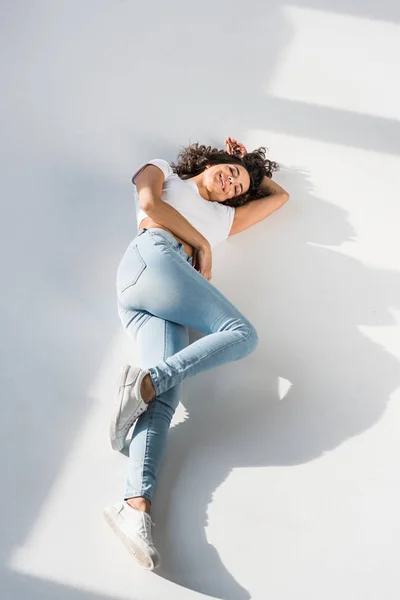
point(156, 340)
point(155, 278)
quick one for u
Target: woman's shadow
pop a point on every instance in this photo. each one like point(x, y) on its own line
point(307, 303)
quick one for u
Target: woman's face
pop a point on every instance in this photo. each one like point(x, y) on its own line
point(223, 182)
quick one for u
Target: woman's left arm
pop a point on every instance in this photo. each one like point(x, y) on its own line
point(259, 209)
point(271, 188)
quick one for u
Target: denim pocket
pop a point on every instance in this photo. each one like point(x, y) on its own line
point(130, 269)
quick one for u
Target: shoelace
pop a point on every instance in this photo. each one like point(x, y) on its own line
point(147, 523)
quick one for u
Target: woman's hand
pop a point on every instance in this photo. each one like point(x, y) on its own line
point(234, 147)
point(202, 261)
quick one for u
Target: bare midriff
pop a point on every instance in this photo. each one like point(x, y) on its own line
point(150, 224)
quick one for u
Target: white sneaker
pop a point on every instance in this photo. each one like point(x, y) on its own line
point(129, 404)
point(133, 527)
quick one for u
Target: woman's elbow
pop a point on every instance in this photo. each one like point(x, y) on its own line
point(284, 197)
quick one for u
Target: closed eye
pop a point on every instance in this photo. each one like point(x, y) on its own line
point(239, 190)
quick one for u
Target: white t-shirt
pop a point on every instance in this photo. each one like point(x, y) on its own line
point(212, 219)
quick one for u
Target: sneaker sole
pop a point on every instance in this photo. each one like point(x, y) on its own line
point(116, 443)
point(138, 554)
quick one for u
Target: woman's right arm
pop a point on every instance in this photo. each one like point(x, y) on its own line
point(149, 185)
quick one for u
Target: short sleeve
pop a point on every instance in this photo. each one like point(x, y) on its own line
point(158, 162)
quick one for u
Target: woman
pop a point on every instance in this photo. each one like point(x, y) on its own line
point(183, 210)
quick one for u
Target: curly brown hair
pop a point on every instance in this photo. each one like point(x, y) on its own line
point(193, 159)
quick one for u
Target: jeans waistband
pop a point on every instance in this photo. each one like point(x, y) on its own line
point(169, 238)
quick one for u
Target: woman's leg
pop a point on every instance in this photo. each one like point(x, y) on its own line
point(156, 284)
point(156, 340)
point(154, 278)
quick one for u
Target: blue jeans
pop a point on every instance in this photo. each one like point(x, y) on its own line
point(160, 295)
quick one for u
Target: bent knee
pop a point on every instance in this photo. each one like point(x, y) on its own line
point(252, 337)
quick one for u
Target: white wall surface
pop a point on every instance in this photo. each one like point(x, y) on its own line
point(281, 478)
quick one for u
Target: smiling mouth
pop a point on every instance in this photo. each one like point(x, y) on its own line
point(222, 182)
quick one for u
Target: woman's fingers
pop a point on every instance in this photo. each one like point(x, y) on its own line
point(194, 261)
point(229, 145)
point(241, 149)
point(235, 147)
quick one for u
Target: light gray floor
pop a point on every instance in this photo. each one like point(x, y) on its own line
point(281, 478)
